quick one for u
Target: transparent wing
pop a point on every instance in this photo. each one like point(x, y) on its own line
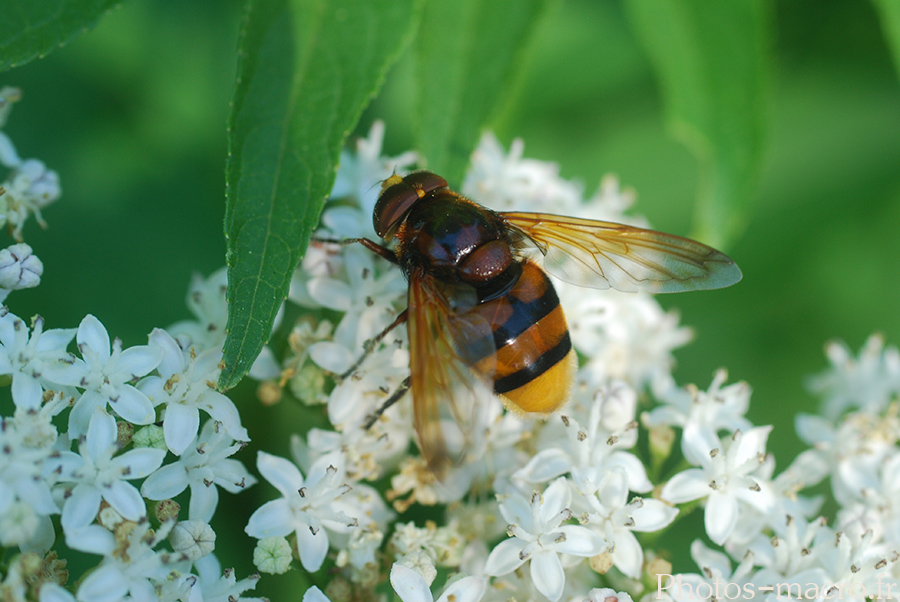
point(452, 359)
point(605, 254)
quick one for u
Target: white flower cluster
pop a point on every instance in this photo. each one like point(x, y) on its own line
point(566, 509)
point(564, 492)
point(558, 510)
point(96, 433)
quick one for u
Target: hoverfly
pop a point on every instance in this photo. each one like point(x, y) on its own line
point(483, 317)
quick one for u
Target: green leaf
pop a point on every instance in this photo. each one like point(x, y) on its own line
point(31, 28)
point(712, 60)
point(889, 11)
point(307, 69)
point(466, 60)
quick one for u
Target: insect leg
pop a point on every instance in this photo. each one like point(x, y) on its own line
point(394, 398)
point(376, 248)
point(372, 343)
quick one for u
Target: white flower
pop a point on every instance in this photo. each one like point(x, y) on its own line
point(411, 586)
point(868, 382)
point(716, 409)
point(206, 301)
point(203, 466)
point(314, 594)
point(727, 477)
point(539, 535)
point(360, 170)
point(32, 186)
point(222, 586)
point(28, 441)
point(186, 385)
point(716, 580)
point(108, 372)
point(367, 297)
point(134, 572)
point(627, 337)
point(588, 452)
point(36, 362)
point(609, 512)
point(98, 474)
point(306, 507)
point(507, 182)
point(361, 551)
point(605, 594)
point(851, 453)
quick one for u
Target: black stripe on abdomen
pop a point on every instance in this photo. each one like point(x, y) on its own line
point(530, 372)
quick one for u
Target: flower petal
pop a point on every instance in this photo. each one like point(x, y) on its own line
point(139, 360)
point(126, 500)
point(81, 508)
point(687, 485)
point(138, 463)
point(167, 482)
point(653, 515)
point(467, 589)
point(26, 391)
point(281, 473)
point(272, 519)
point(180, 426)
point(409, 584)
point(628, 556)
point(132, 405)
point(720, 517)
point(580, 541)
point(313, 548)
point(504, 558)
point(203, 502)
point(548, 575)
point(222, 409)
point(106, 584)
point(92, 334)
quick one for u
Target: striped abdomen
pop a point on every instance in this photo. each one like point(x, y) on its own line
point(535, 362)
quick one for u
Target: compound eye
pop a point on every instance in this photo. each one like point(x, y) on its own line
point(398, 195)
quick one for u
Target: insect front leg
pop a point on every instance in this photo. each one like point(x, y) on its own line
point(373, 246)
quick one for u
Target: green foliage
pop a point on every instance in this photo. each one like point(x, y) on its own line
point(711, 60)
point(307, 70)
point(467, 54)
point(890, 22)
point(31, 28)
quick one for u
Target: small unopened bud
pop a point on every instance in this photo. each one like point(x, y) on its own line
point(308, 384)
point(150, 436)
point(662, 437)
point(272, 555)
point(124, 433)
point(602, 562)
point(19, 268)
point(193, 538)
point(268, 392)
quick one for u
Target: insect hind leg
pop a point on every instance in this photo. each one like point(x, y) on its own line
point(396, 396)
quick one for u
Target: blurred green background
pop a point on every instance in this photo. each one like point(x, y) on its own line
point(132, 116)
